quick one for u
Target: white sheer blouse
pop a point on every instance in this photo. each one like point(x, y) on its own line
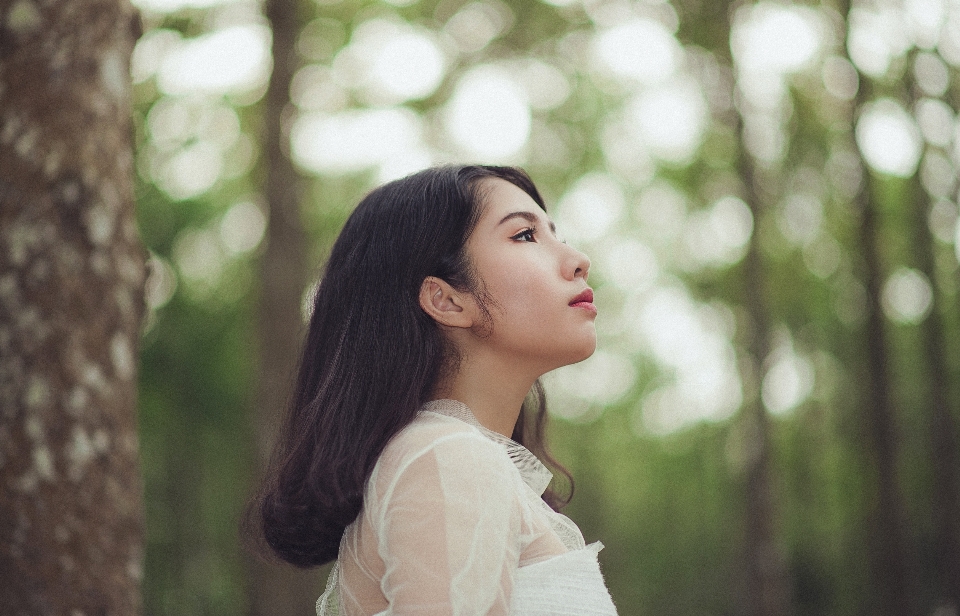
point(453, 523)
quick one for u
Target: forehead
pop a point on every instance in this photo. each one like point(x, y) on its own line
point(498, 197)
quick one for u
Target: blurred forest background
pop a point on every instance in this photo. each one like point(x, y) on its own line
point(768, 192)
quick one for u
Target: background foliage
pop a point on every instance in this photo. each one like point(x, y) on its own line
point(677, 143)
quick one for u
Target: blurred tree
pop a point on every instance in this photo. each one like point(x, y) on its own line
point(71, 302)
point(279, 588)
point(768, 586)
point(885, 515)
point(940, 416)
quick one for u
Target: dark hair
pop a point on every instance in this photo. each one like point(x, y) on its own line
point(372, 357)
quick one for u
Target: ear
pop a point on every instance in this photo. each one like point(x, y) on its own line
point(444, 304)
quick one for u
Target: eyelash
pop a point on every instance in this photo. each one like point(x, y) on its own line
point(530, 232)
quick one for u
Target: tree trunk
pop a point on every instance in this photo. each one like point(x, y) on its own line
point(943, 430)
point(768, 581)
point(885, 516)
point(71, 303)
point(942, 425)
point(277, 589)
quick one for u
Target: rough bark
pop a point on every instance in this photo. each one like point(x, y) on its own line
point(71, 302)
point(278, 589)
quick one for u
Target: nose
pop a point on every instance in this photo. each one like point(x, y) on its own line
point(577, 264)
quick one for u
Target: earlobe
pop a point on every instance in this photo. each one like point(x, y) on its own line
point(444, 303)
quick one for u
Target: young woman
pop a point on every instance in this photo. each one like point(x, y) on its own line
point(409, 449)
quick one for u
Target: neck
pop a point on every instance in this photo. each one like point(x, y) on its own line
point(494, 390)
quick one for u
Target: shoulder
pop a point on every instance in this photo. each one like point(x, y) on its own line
point(436, 449)
point(434, 434)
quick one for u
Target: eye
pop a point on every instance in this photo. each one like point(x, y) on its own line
point(527, 235)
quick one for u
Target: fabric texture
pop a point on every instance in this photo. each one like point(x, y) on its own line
point(453, 523)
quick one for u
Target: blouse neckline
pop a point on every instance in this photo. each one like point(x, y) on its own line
point(532, 471)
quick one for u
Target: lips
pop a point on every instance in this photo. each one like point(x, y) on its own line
point(584, 300)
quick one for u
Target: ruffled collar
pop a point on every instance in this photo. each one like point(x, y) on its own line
point(532, 471)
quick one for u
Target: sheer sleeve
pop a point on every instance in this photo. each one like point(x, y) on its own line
point(448, 519)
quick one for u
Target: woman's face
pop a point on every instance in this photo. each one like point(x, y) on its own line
point(541, 308)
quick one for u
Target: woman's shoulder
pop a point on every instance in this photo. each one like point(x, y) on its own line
point(444, 444)
point(430, 431)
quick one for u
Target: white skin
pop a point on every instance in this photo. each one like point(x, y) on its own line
point(531, 278)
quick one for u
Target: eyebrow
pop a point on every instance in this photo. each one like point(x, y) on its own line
point(529, 217)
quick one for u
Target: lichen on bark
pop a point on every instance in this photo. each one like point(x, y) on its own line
point(71, 303)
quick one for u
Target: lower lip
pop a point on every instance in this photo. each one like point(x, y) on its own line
point(585, 306)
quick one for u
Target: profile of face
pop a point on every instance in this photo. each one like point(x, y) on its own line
point(540, 313)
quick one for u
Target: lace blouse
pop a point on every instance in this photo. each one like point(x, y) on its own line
point(453, 523)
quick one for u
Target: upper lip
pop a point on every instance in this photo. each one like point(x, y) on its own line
point(585, 296)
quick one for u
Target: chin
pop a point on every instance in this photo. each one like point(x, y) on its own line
point(579, 353)
point(587, 352)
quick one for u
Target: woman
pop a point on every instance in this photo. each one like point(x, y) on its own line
point(446, 296)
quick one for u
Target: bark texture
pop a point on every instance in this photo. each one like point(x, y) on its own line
point(280, 589)
point(71, 302)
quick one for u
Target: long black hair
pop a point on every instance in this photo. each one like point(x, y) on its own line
point(372, 356)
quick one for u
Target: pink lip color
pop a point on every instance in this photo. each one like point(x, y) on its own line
point(584, 301)
point(585, 306)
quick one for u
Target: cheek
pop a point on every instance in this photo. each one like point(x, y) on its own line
point(530, 318)
point(519, 294)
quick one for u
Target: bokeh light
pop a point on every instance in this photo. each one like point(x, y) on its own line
point(889, 138)
point(840, 78)
point(628, 263)
point(231, 60)
point(670, 120)
point(788, 381)
point(488, 116)
point(602, 379)
point(242, 228)
point(770, 37)
point(924, 20)
point(931, 74)
point(161, 282)
point(937, 174)
point(640, 49)
point(199, 258)
point(799, 218)
point(876, 38)
point(590, 208)
point(935, 119)
point(661, 212)
point(476, 24)
point(170, 6)
point(692, 342)
point(942, 220)
point(389, 63)
point(547, 87)
point(718, 235)
point(907, 296)
point(389, 140)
